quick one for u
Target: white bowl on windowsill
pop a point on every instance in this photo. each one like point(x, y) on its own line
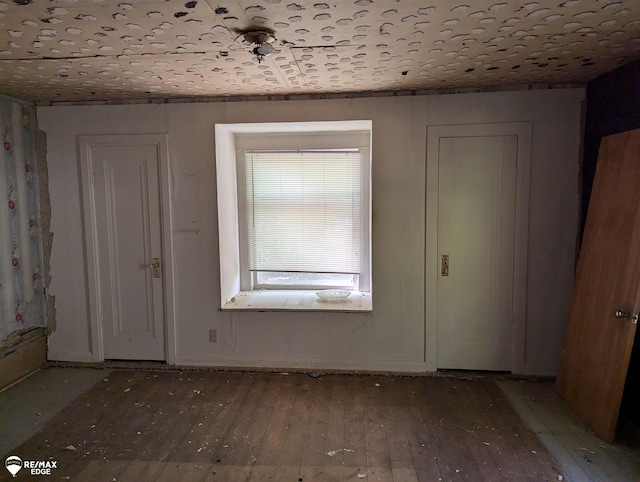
point(333, 295)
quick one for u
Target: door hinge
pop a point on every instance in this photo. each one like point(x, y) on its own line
point(93, 177)
point(101, 316)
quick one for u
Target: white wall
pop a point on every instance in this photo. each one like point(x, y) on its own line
point(393, 336)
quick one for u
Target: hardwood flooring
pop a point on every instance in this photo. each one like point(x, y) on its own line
point(138, 426)
point(578, 453)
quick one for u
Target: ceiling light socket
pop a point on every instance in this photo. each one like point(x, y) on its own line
point(262, 39)
point(263, 49)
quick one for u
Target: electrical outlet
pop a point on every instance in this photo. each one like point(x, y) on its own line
point(213, 335)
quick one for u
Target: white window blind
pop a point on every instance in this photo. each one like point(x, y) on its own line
point(304, 210)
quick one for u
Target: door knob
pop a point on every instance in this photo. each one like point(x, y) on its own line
point(625, 315)
point(155, 266)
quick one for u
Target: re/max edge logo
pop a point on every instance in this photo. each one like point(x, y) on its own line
point(14, 464)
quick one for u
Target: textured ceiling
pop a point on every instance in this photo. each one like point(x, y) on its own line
point(66, 50)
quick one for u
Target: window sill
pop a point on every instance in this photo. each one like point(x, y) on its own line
point(296, 300)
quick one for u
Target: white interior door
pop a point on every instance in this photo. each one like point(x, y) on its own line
point(125, 186)
point(476, 239)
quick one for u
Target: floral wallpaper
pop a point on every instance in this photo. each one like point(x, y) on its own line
point(21, 274)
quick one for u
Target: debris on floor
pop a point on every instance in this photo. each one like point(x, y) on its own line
point(331, 453)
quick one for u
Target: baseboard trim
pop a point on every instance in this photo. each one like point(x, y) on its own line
point(70, 357)
point(391, 366)
point(22, 361)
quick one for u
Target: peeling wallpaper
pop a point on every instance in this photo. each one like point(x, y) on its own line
point(21, 273)
point(65, 50)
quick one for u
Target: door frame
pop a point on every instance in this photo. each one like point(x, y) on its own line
point(89, 227)
point(522, 130)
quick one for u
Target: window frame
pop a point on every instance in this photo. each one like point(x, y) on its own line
point(232, 297)
point(360, 140)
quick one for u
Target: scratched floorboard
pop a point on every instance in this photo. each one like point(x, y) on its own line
point(219, 426)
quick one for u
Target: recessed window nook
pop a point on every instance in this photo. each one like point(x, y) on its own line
point(294, 214)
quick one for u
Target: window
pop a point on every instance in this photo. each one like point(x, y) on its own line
point(297, 216)
point(303, 218)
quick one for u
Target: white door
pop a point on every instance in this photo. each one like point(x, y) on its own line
point(124, 177)
point(476, 236)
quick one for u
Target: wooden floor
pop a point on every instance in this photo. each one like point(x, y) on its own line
point(578, 453)
point(136, 425)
